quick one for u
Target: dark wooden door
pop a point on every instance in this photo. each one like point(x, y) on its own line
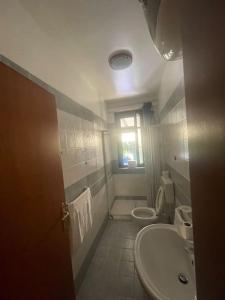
point(34, 249)
point(203, 28)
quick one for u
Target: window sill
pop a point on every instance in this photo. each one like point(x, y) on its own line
point(127, 168)
point(137, 170)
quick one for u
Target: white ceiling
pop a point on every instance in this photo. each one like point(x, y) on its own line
point(91, 30)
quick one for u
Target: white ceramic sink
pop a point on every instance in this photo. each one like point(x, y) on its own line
point(160, 258)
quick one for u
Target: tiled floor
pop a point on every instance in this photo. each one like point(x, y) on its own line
point(111, 274)
point(122, 208)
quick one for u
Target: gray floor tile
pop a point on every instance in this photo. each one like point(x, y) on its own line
point(127, 243)
point(128, 255)
point(126, 286)
point(139, 292)
point(111, 274)
point(125, 298)
point(114, 256)
point(126, 268)
point(97, 265)
point(101, 252)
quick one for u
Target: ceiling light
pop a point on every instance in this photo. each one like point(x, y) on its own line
point(120, 60)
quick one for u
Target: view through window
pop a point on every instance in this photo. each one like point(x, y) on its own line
point(130, 139)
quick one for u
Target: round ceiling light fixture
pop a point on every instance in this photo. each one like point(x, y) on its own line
point(120, 59)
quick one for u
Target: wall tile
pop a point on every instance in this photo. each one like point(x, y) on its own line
point(91, 166)
point(175, 148)
point(74, 174)
point(83, 165)
point(174, 136)
point(130, 184)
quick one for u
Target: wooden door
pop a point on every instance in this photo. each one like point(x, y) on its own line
point(203, 24)
point(34, 249)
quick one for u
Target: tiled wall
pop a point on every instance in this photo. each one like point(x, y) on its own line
point(175, 139)
point(83, 165)
point(132, 185)
point(81, 147)
point(175, 156)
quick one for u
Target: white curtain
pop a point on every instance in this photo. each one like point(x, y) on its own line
point(151, 147)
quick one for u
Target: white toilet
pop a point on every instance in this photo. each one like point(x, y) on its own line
point(164, 201)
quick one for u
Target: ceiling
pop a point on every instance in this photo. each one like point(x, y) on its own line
point(92, 30)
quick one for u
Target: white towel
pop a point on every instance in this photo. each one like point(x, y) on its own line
point(75, 240)
point(80, 208)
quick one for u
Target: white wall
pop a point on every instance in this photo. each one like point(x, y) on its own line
point(175, 139)
point(30, 44)
point(173, 127)
point(171, 76)
point(130, 184)
point(174, 123)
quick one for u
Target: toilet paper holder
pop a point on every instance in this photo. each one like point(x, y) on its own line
point(183, 221)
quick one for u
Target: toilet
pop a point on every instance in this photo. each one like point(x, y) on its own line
point(164, 202)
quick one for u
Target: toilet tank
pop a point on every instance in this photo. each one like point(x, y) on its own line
point(168, 187)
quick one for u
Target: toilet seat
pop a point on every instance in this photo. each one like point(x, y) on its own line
point(144, 215)
point(148, 215)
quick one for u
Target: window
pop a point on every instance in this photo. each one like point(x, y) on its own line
point(130, 138)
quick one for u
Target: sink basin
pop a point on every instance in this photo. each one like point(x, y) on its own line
point(163, 265)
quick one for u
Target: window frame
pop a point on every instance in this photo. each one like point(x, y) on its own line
point(127, 114)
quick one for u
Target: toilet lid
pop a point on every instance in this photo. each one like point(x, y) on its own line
point(159, 200)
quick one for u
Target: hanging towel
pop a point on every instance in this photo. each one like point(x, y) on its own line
point(80, 209)
point(75, 240)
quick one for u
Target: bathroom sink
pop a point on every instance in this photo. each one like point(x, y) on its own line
point(163, 265)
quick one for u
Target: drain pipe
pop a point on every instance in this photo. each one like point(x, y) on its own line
point(104, 133)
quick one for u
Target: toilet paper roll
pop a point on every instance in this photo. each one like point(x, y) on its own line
point(186, 231)
point(185, 213)
point(183, 221)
